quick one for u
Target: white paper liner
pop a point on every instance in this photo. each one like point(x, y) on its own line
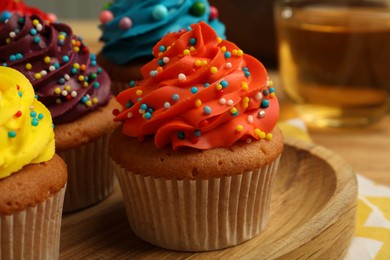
point(33, 233)
point(198, 215)
point(90, 174)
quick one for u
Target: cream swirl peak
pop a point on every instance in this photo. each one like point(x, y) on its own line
point(26, 129)
point(132, 27)
point(64, 74)
point(199, 91)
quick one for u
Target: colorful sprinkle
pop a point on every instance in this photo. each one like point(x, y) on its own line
point(65, 58)
point(160, 12)
point(213, 13)
point(244, 86)
point(264, 103)
point(213, 70)
point(261, 114)
point(34, 121)
point(224, 83)
point(165, 60)
point(180, 135)
point(193, 41)
point(106, 16)
point(197, 133)
point(234, 111)
point(18, 114)
point(207, 110)
point(258, 96)
point(204, 123)
point(182, 77)
point(239, 128)
point(11, 134)
point(198, 8)
point(175, 97)
point(125, 23)
point(198, 103)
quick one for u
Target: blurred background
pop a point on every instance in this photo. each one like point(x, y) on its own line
point(248, 24)
point(75, 9)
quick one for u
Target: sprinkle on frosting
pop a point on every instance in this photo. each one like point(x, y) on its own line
point(201, 106)
point(60, 67)
point(26, 133)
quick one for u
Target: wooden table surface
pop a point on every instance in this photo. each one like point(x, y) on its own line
point(367, 150)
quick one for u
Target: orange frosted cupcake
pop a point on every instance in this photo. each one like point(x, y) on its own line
point(32, 177)
point(198, 150)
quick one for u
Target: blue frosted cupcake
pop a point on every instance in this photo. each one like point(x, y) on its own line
point(130, 29)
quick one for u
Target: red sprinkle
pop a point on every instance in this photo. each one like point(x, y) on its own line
point(220, 93)
point(204, 123)
point(213, 13)
point(18, 114)
point(115, 111)
point(194, 139)
point(17, 87)
point(68, 97)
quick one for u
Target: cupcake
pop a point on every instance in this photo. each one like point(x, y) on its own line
point(8, 7)
point(131, 28)
point(77, 92)
point(32, 177)
point(198, 149)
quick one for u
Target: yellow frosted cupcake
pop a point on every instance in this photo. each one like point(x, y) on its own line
point(32, 177)
point(198, 150)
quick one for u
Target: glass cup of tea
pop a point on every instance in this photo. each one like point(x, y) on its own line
point(334, 59)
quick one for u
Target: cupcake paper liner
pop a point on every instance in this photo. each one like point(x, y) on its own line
point(198, 215)
point(33, 233)
point(90, 174)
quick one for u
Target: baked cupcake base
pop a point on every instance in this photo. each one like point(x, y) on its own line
point(31, 211)
point(196, 200)
point(198, 215)
point(83, 144)
point(91, 175)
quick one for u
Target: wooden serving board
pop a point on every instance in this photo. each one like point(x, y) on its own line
point(313, 216)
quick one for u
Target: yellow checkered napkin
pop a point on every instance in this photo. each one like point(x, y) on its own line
point(372, 235)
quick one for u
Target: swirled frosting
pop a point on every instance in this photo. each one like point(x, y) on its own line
point(26, 130)
point(7, 7)
point(199, 91)
point(63, 72)
point(132, 27)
